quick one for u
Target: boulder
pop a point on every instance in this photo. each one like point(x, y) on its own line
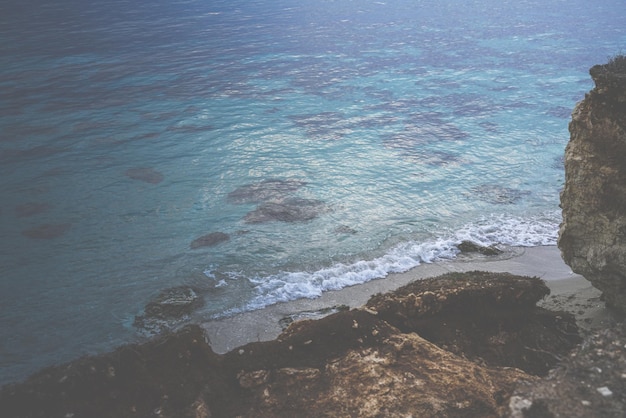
point(592, 236)
point(473, 247)
point(490, 317)
point(169, 309)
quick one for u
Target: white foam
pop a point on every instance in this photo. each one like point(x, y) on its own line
point(513, 231)
point(492, 230)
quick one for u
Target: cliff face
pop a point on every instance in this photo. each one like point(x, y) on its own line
point(592, 237)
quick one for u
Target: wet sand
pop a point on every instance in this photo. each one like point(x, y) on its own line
point(570, 292)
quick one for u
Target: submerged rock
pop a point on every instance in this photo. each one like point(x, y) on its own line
point(592, 237)
point(270, 189)
point(209, 240)
point(31, 209)
point(499, 195)
point(345, 229)
point(323, 126)
point(148, 175)
point(415, 135)
point(168, 310)
point(47, 231)
point(293, 209)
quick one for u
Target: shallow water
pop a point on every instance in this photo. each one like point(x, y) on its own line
point(332, 141)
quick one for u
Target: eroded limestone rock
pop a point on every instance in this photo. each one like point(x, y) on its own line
point(592, 237)
point(354, 363)
point(490, 317)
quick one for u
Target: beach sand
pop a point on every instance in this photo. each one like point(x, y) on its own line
point(570, 292)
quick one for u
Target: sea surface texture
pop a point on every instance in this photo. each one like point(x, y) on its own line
point(264, 151)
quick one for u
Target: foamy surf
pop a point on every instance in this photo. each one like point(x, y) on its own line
point(496, 230)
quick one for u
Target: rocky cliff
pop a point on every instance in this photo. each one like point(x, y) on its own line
point(451, 346)
point(592, 237)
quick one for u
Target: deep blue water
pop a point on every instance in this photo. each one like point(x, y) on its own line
point(332, 141)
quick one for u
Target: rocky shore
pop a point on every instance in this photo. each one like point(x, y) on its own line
point(453, 345)
point(465, 343)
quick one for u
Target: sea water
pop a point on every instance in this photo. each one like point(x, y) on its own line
point(333, 142)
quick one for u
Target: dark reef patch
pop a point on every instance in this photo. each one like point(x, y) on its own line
point(209, 240)
point(47, 231)
point(345, 229)
point(31, 209)
point(148, 175)
point(292, 209)
point(491, 127)
point(269, 189)
point(323, 126)
point(500, 195)
point(416, 135)
point(17, 155)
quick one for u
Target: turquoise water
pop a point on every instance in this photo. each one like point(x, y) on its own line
point(332, 141)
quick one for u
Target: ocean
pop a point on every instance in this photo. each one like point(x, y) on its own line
point(265, 151)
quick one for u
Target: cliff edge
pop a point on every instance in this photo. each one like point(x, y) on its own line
point(592, 237)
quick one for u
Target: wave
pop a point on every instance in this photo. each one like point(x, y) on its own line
point(505, 230)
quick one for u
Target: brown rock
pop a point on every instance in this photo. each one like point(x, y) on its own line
point(351, 363)
point(490, 317)
point(403, 375)
point(592, 237)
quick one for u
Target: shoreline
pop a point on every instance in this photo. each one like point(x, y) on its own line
point(570, 292)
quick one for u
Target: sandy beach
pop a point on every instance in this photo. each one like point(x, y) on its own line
point(570, 292)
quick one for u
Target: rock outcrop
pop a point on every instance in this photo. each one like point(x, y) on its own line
point(168, 310)
point(589, 383)
point(367, 362)
point(592, 237)
point(491, 318)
